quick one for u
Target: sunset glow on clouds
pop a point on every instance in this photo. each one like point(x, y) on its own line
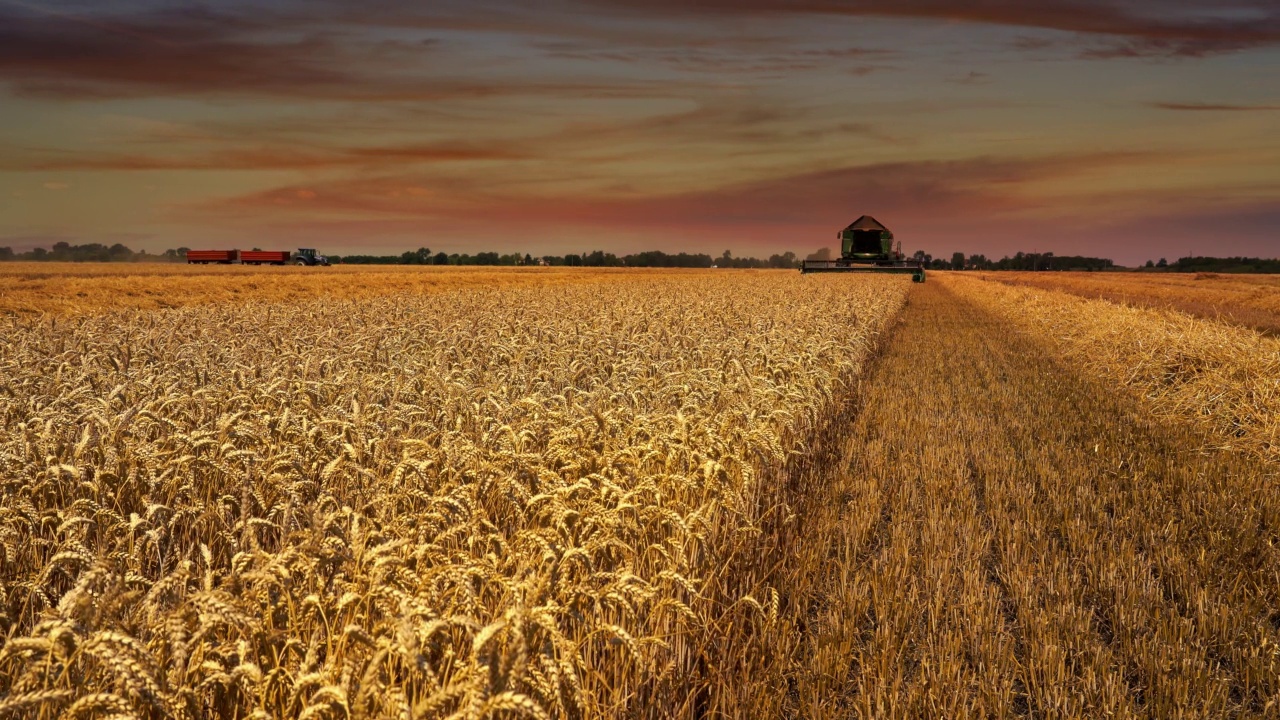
point(1133, 129)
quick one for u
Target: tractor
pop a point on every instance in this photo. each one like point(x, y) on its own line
point(308, 256)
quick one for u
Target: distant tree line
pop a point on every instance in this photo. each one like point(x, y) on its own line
point(92, 252)
point(1019, 261)
point(95, 252)
point(597, 258)
point(1213, 264)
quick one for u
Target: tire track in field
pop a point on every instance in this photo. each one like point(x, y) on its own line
point(1042, 548)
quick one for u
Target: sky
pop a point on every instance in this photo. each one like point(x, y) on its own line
point(1129, 129)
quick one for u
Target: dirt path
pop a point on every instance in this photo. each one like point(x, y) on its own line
point(1017, 540)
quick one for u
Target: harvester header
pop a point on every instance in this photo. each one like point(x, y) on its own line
point(867, 246)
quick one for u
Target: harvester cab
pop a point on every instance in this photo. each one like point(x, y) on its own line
point(309, 256)
point(867, 246)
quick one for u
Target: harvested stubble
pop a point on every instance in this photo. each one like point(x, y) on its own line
point(1011, 537)
point(1224, 377)
point(1248, 300)
point(539, 502)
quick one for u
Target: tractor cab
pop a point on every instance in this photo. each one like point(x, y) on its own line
point(866, 240)
point(309, 256)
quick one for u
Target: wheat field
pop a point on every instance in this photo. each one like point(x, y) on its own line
point(1243, 299)
point(52, 288)
point(579, 494)
point(548, 503)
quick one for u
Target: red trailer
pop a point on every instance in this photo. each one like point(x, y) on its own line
point(258, 257)
point(204, 257)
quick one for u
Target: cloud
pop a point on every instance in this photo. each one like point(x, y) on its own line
point(972, 78)
point(56, 54)
point(373, 50)
point(259, 159)
point(303, 54)
point(960, 190)
point(1212, 107)
point(762, 59)
point(1192, 28)
point(988, 205)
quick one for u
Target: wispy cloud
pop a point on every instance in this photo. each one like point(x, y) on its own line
point(258, 159)
point(58, 54)
point(992, 205)
point(1212, 107)
point(1144, 27)
point(54, 55)
point(956, 190)
point(341, 49)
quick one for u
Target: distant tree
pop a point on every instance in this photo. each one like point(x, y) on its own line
point(1163, 263)
point(528, 259)
point(600, 258)
point(1227, 264)
point(441, 259)
point(421, 256)
point(573, 260)
point(822, 254)
point(1150, 264)
point(6, 253)
point(785, 260)
point(657, 258)
point(957, 261)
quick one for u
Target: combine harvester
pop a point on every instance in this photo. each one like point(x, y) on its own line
point(867, 246)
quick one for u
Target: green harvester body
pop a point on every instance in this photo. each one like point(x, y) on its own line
point(867, 246)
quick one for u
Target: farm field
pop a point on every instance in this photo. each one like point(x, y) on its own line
point(1249, 300)
point(33, 288)
point(578, 494)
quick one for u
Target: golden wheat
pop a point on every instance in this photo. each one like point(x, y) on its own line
point(679, 495)
point(1220, 375)
point(1249, 300)
point(539, 502)
point(37, 288)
